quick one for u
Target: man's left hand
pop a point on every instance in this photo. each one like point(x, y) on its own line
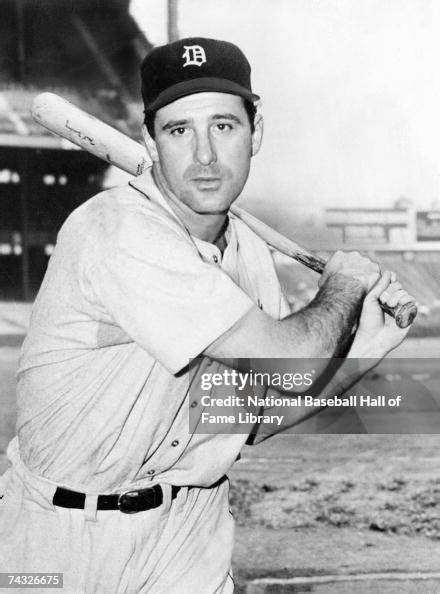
point(377, 332)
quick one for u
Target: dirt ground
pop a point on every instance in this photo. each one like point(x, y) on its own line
point(337, 504)
point(331, 503)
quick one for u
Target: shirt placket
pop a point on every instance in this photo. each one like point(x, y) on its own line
point(170, 449)
point(179, 436)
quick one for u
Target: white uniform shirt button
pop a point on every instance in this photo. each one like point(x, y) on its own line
point(193, 404)
point(175, 443)
point(151, 472)
point(215, 258)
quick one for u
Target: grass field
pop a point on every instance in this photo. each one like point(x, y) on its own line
point(307, 504)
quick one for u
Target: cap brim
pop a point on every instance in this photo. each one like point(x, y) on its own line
point(200, 85)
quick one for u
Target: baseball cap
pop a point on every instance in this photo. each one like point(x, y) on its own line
point(194, 65)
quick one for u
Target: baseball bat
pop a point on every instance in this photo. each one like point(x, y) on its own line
point(93, 135)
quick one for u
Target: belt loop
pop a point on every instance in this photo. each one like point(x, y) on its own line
point(90, 508)
point(167, 500)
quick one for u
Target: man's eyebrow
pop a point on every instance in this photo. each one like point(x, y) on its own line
point(215, 117)
point(174, 123)
point(227, 116)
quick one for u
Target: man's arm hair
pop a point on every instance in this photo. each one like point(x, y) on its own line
point(333, 313)
point(319, 330)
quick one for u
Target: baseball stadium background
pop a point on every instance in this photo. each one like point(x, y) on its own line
point(350, 97)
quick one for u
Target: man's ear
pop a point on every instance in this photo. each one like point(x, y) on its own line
point(257, 135)
point(150, 144)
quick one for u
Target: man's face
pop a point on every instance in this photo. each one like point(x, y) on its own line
point(204, 145)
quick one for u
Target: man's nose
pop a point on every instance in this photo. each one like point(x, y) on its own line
point(205, 153)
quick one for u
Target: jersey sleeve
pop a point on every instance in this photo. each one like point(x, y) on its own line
point(152, 281)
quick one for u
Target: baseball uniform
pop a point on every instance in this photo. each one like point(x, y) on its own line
point(104, 391)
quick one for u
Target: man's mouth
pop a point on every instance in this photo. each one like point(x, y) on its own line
point(205, 182)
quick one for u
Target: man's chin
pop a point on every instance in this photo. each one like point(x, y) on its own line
point(211, 210)
point(210, 203)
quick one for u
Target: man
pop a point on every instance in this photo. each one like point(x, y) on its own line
point(144, 279)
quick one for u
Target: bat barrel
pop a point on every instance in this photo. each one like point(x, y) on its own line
point(91, 134)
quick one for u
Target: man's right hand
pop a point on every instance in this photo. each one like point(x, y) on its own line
point(352, 265)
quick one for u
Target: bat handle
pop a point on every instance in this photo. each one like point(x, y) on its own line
point(403, 314)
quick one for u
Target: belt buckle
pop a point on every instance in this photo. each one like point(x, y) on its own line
point(130, 501)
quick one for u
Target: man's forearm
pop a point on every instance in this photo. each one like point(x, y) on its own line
point(328, 320)
point(320, 331)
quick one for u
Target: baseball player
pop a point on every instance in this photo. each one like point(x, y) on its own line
point(106, 484)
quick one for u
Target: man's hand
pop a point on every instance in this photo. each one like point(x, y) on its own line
point(353, 266)
point(377, 333)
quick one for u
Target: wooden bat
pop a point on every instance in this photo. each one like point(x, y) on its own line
point(84, 130)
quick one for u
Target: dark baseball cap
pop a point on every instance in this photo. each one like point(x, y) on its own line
point(194, 65)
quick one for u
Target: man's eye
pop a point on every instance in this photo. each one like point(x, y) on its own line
point(224, 127)
point(178, 131)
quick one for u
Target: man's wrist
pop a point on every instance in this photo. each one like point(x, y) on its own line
point(344, 282)
point(363, 349)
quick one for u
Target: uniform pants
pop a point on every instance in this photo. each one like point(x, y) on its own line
point(183, 546)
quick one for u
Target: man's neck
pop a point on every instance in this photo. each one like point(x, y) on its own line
point(207, 227)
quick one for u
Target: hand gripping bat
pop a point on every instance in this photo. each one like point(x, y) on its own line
point(84, 130)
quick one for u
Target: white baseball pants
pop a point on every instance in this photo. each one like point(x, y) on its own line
point(183, 546)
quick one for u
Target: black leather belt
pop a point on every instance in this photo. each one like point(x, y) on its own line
point(129, 502)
